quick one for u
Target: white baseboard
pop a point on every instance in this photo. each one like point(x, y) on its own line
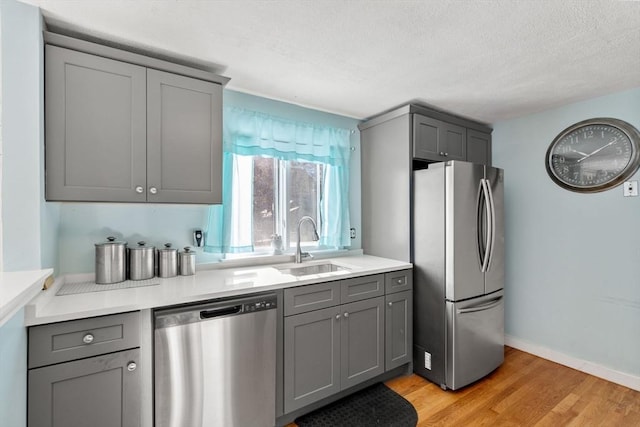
point(591, 368)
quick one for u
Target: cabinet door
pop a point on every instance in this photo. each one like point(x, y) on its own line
point(426, 138)
point(453, 142)
point(361, 341)
point(184, 139)
point(437, 140)
point(398, 329)
point(98, 392)
point(95, 128)
point(311, 357)
point(478, 147)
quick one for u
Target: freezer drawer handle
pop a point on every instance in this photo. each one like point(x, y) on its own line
point(208, 314)
point(482, 307)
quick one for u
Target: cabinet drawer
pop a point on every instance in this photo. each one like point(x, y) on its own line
point(64, 341)
point(398, 281)
point(311, 297)
point(360, 288)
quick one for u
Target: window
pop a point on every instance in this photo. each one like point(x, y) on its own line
point(283, 192)
point(276, 171)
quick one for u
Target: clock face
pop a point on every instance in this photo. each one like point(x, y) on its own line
point(594, 155)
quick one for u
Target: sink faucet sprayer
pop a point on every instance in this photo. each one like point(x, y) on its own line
point(299, 253)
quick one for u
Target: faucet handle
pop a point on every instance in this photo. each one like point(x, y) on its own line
point(306, 255)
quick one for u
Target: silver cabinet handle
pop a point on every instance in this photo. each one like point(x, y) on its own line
point(87, 339)
point(131, 366)
point(139, 189)
point(446, 154)
point(390, 304)
point(400, 281)
point(346, 314)
point(337, 317)
point(153, 190)
point(442, 153)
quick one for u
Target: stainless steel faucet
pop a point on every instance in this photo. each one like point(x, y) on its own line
point(299, 253)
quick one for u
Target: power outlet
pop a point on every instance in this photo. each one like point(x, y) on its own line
point(427, 360)
point(352, 233)
point(630, 189)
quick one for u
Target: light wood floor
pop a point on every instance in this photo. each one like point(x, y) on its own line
point(525, 391)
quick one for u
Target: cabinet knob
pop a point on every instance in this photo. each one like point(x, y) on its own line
point(153, 190)
point(131, 366)
point(139, 189)
point(446, 154)
point(400, 281)
point(346, 314)
point(337, 316)
point(442, 153)
point(390, 304)
point(87, 339)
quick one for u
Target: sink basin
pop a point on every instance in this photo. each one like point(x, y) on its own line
point(305, 270)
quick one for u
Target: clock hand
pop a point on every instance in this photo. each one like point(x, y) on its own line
point(613, 141)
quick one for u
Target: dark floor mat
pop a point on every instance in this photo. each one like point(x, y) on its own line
point(377, 405)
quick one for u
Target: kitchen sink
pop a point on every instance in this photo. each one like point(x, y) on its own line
point(306, 270)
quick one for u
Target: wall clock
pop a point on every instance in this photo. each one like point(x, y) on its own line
point(594, 155)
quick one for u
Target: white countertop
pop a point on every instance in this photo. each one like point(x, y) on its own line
point(204, 285)
point(17, 288)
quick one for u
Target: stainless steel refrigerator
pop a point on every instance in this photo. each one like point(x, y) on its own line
point(458, 257)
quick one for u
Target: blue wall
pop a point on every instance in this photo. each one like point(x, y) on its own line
point(573, 260)
point(13, 372)
point(83, 224)
point(29, 240)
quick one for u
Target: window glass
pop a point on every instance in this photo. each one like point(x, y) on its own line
point(303, 190)
point(264, 212)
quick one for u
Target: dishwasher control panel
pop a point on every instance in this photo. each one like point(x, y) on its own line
point(265, 304)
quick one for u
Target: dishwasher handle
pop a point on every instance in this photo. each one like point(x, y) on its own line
point(218, 312)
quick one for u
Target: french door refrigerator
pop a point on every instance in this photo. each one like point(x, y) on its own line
point(458, 257)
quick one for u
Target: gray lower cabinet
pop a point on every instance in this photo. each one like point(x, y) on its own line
point(336, 335)
point(332, 349)
point(119, 132)
point(311, 357)
point(101, 391)
point(85, 372)
point(361, 341)
point(398, 329)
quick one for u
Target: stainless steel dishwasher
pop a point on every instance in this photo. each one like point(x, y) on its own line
point(215, 364)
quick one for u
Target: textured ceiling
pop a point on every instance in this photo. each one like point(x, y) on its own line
point(488, 60)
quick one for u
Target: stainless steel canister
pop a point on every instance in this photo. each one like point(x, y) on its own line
point(187, 261)
point(141, 262)
point(167, 261)
point(111, 261)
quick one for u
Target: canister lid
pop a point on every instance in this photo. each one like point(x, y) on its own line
point(142, 246)
point(167, 248)
point(111, 241)
point(187, 250)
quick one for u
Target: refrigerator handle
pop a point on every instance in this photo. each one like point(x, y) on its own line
point(480, 204)
point(487, 197)
point(482, 307)
point(492, 219)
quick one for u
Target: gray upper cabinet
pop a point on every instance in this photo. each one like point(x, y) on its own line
point(478, 147)
point(95, 127)
point(436, 140)
point(184, 141)
point(119, 132)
